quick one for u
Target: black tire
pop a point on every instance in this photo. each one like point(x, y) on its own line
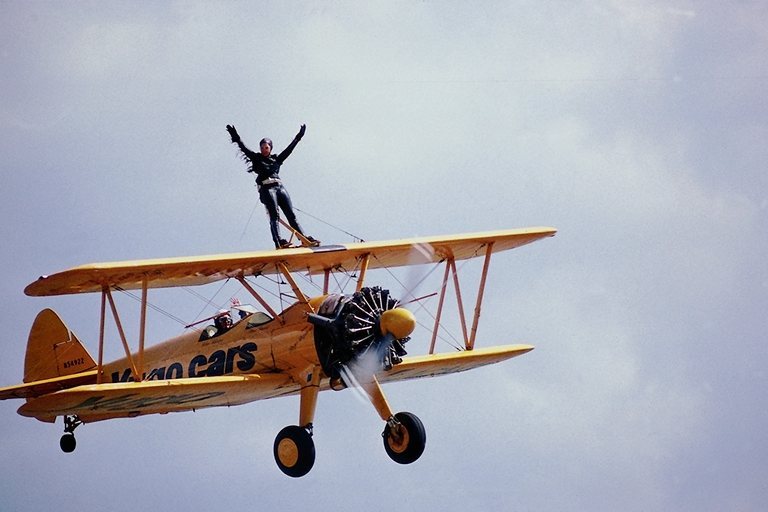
point(409, 444)
point(68, 443)
point(294, 451)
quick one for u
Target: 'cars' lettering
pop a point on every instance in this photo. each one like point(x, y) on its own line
point(218, 363)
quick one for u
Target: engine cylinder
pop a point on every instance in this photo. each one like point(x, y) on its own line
point(347, 327)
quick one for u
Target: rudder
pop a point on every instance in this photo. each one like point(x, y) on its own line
point(53, 350)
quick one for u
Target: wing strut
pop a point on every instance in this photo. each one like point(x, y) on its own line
point(143, 322)
point(256, 296)
point(137, 369)
point(119, 325)
point(366, 258)
point(296, 290)
point(101, 334)
point(326, 281)
point(450, 267)
point(480, 292)
point(460, 302)
point(439, 313)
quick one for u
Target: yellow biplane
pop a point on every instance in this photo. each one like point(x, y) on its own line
point(330, 341)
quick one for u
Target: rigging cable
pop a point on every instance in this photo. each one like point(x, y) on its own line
point(248, 222)
point(149, 304)
point(337, 228)
point(210, 301)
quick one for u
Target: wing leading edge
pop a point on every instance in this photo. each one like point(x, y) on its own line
point(191, 271)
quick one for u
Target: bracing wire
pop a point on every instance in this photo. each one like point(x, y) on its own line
point(337, 228)
point(200, 296)
point(248, 222)
point(210, 301)
point(152, 306)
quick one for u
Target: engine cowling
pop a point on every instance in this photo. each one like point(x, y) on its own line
point(367, 325)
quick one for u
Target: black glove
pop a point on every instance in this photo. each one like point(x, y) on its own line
point(301, 132)
point(233, 133)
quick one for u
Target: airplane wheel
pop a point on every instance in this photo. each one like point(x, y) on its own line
point(294, 451)
point(407, 444)
point(68, 443)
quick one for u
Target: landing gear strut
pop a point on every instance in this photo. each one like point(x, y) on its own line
point(295, 450)
point(404, 438)
point(68, 442)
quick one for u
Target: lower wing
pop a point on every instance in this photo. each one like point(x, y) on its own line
point(129, 399)
point(452, 362)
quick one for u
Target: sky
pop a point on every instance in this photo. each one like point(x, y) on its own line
point(637, 129)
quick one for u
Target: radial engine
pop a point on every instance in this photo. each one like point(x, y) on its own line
point(364, 331)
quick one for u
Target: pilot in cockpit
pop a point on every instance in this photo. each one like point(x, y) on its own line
point(223, 322)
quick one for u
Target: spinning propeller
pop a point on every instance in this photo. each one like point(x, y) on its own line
point(365, 331)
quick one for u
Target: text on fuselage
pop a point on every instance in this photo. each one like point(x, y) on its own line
point(220, 362)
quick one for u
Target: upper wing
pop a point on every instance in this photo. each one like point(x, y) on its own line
point(161, 273)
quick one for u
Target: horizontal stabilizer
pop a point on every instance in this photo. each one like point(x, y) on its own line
point(43, 387)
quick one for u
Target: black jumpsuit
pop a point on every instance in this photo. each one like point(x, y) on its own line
point(272, 193)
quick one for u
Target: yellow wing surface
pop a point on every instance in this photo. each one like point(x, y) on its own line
point(129, 399)
point(433, 365)
point(79, 394)
point(170, 272)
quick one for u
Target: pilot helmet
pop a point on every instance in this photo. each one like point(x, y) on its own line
point(223, 319)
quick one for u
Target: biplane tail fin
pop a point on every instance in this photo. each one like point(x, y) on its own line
point(53, 350)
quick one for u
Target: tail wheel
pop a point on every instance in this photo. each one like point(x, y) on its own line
point(404, 438)
point(294, 451)
point(68, 443)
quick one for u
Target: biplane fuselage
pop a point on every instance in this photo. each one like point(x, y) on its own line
point(315, 344)
point(257, 344)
